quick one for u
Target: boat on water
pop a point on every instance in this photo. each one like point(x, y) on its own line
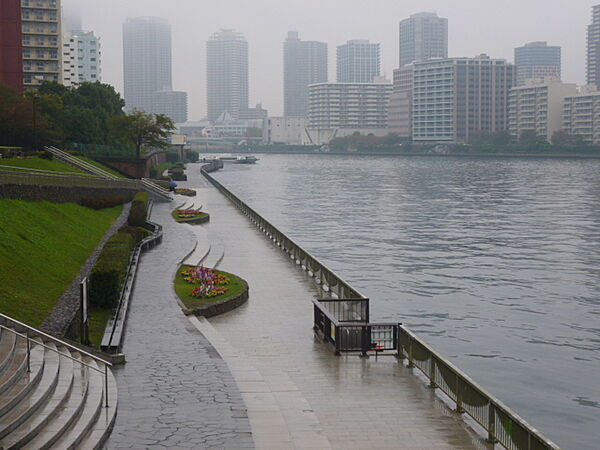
point(245, 160)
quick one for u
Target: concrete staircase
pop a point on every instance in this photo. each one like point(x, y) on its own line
point(52, 394)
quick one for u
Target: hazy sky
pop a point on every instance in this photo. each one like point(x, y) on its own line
point(494, 27)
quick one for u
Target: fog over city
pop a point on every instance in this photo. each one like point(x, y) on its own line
point(475, 26)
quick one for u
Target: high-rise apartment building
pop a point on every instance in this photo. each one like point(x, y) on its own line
point(146, 61)
point(358, 61)
point(423, 36)
point(340, 109)
point(226, 74)
point(455, 98)
point(400, 113)
point(304, 63)
point(593, 48)
point(11, 41)
point(537, 60)
point(81, 58)
point(581, 115)
point(538, 106)
point(172, 104)
point(42, 48)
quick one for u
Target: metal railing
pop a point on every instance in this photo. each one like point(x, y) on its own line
point(324, 276)
point(80, 163)
point(501, 423)
point(40, 334)
point(347, 328)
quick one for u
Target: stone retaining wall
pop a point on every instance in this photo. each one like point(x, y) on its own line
point(220, 307)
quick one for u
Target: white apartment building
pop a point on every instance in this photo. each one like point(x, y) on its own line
point(581, 114)
point(400, 111)
point(336, 109)
point(285, 130)
point(81, 58)
point(455, 98)
point(42, 48)
point(538, 106)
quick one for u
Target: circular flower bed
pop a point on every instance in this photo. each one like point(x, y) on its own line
point(208, 292)
point(185, 191)
point(209, 282)
point(190, 216)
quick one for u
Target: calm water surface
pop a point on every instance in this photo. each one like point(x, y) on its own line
point(495, 262)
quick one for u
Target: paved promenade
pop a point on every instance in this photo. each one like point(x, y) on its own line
point(298, 394)
point(175, 390)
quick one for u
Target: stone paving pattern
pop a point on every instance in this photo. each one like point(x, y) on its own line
point(298, 394)
point(175, 391)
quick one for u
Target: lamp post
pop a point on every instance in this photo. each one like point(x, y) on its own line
point(35, 98)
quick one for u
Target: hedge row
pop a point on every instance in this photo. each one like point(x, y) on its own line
point(139, 210)
point(101, 203)
point(110, 270)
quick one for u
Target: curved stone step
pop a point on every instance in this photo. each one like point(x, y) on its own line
point(216, 255)
point(52, 407)
point(67, 413)
point(203, 248)
point(22, 382)
point(16, 367)
point(7, 348)
point(106, 420)
point(87, 418)
point(23, 406)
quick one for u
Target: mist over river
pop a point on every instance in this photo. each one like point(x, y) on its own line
point(493, 261)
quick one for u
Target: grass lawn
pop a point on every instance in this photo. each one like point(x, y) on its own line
point(42, 248)
point(38, 163)
point(183, 289)
point(188, 219)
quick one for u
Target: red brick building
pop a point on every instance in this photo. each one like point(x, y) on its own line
point(11, 51)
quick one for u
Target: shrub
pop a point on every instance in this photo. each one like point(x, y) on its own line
point(44, 154)
point(102, 203)
point(193, 157)
point(138, 233)
point(178, 175)
point(139, 210)
point(172, 157)
point(154, 172)
point(109, 272)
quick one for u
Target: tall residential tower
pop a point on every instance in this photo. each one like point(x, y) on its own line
point(304, 62)
point(423, 36)
point(11, 51)
point(81, 58)
point(226, 74)
point(358, 61)
point(593, 48)
point(537, 60)
point(146, 60)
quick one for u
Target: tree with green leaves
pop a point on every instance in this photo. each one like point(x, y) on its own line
point(142, 130)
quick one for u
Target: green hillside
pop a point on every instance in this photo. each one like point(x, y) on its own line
point(42, 248)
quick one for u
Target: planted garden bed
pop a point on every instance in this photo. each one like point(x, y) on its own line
point(190, 216)
point(185, 191)
point(208, 292)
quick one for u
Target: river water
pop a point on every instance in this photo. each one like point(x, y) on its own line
point(493, 261)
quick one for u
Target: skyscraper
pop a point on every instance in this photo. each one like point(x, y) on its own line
point(593, 48)
point(537, 60)
point(423, 36)
point(358, 61)
point(42, 46)
point(146, 60)
point(11, 53)
point(304, 62)
point(226, 74)
point(81, 58)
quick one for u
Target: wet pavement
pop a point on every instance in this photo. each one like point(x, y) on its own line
point(175, 390)
point(298, 394)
